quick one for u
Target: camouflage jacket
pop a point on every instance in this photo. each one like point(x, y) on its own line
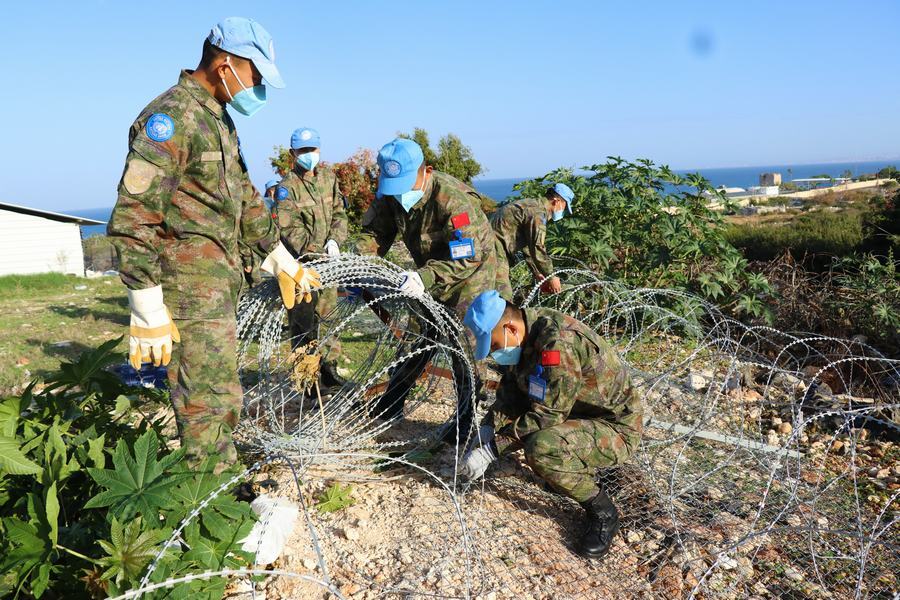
point(521, 226)
point(427, 231)
point(313, 211)
point(186, 205)
point(585, 379)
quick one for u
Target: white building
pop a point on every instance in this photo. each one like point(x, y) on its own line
point(40, 241)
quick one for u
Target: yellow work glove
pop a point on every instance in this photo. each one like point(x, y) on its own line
point(293, 279)
point(152, 330)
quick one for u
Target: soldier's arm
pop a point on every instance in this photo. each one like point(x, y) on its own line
point(258, 232)
point(378, 229)
point(537, 257)
point(509, 405)
point(439, 275)
point(294, 232)
point(338, 214)
point(563, 383)
point(153, 170)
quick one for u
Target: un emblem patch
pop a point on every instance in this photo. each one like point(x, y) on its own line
point(392, 168)
point(160, 127)
point(281, 193)
point(305, 134)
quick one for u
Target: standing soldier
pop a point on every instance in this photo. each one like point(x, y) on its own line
point(185, 208)
point(521, 226)
point(456, 254)
point(566, 398)
point(311, 217)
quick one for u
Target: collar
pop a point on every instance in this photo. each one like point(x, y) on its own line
point(199, 93)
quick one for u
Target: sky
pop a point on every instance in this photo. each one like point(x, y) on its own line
point(529, 86)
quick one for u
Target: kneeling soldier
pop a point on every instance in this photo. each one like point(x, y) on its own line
point(566, 398)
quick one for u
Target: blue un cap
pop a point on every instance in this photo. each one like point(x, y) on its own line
point(248, 39)
point(483, 315)
point(272, 183)
point(566, 193)
point(398, 166)
point(305, 138)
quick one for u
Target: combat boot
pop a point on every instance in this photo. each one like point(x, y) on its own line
point(600, 527)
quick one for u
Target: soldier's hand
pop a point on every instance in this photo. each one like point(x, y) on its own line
point(477, 461)
point(412, 284)
point(332, 248)
point(152, 331)
point(293, 279)
point(551, 286)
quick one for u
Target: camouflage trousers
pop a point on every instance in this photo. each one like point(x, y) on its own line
point(205, 389)
point(568, 455)
point(304, 320)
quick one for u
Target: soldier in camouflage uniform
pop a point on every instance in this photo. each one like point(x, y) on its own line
point(521, 226)
point(311, 216)
point(566, 399)
point(185, 211)
point(456, 254)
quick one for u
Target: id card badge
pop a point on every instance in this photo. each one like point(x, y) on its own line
point(537, 388)
point(462, 249)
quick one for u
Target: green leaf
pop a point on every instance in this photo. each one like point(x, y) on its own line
point(95, 451)
point(12, 461)
point(10, 409)
point(129, 549)
point(335, 498)
point(51, 505)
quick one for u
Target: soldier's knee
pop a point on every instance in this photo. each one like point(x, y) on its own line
point(546, 451)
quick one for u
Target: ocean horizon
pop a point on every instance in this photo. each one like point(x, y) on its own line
point(502, 188)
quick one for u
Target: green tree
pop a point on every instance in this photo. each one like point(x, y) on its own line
point(452, 156)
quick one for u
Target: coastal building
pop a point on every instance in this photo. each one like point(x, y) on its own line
point(40, 241)
point(769, 179)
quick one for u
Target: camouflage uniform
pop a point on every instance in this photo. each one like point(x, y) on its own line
point(521, 226)
point(427, 231)
point(311, 214)
point(185, 209)
point(590, 416)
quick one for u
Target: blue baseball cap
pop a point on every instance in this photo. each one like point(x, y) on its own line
point(398, 166)
point(248, 39)
point(482, 316)
point(566, 193)
point(305, 138)
point(272, 183)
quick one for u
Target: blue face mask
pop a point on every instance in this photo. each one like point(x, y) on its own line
point(507, 356)
point(308, 160)
point(409, 199)
point(247, 102)
point(558, 214)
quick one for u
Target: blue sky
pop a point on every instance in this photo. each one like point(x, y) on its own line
point(528, 85)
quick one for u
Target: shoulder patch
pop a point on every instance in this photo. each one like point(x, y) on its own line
point(281, 193)
point(139, 174)
point(160, 127)
point(550, 358)
point(459, 221)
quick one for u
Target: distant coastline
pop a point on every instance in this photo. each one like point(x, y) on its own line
point(499, 189)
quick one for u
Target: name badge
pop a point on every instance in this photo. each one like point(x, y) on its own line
point(462, 249)
point(537, 388)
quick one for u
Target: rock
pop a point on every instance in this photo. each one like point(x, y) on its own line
point(697, 382)
point(349, 534)
point(772, 438)
point(837, 446)
point(714, 493)
point(785, 429)
point(634, 537)
point(310, 564)
point(793, 574)
point(727, 563)
point(883, 474)
point(776, 421)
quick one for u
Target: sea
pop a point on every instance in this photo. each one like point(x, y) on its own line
point(502, 189)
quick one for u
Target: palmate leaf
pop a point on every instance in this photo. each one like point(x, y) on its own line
point(221, 515)
point(139, 483)
point(129, 550)
point(335, 498)
point(13, 461)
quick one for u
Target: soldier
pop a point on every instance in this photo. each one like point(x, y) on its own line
point(456, 254)
point(185, 209)
point(521, 226)
point(566, 398)
point(271, 200)
point(311, 216)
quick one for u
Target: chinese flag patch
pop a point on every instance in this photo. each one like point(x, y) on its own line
point(459, 221)
point(550, 358)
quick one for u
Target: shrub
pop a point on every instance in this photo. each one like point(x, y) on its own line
point(833, 233)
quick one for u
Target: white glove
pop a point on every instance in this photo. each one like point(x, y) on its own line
point(332, 248)
point(412, 284)
point(477, 460)
point(266, 540)
point(485, 437)
point(152, 330)
point(292, 278)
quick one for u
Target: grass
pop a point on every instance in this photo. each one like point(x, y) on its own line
point(44, 320)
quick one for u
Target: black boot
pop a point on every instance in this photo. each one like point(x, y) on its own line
point(329, 379)
point(601, 526)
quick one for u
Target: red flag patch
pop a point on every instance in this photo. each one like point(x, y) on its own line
point(459, 221)
point(550, 358)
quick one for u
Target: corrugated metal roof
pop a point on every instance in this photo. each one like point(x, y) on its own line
point(24, 210)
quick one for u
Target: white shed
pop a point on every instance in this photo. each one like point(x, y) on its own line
point(40, 241)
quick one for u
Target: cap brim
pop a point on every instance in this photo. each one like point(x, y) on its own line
point(269, 72)
point(482, 346)
point(394, 186)
point(569, 206)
